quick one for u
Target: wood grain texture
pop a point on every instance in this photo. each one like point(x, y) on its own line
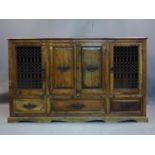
point(63, 67)
point(126, 105)
point(77, 82)
point(78, 119)
point(91, 67)
point(78, 105)
point(29, 106)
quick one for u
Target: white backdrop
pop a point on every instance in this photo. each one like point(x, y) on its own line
point(77, 28)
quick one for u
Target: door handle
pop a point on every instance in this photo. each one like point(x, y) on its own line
point(77, 106)
point(63, 68)
point(29, 106)
point(92, 68)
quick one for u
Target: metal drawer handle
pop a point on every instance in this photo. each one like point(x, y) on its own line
point(77, 106)
point(29, 106)
point(63, 68)
point(92, 68)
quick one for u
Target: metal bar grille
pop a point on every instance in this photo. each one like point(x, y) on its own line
point(126, 66)
point(29, 67)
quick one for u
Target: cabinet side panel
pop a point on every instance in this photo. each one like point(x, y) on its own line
point(10, 76)
point(144, 78)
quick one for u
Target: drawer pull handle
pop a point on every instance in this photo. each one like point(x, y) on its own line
point(77, 106)
point(91, 68)
point(29, 106)
point(63, 68)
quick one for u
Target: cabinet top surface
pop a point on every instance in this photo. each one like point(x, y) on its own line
point(65, 38)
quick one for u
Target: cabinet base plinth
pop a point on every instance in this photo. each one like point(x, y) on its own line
point(79, 119)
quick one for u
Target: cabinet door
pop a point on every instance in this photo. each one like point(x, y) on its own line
point(126, 68)
point(27, 67)
point(62, 69)
point(91, 68)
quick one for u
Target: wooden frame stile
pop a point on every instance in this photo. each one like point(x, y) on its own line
point(11, 77)
point(78, 73)
point(50, 98)
point(46, 57)
point(144, 76)
point(76, 68)
point(108, 74)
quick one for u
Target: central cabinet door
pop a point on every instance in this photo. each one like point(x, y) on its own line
point(91, 68)
point(62, 68)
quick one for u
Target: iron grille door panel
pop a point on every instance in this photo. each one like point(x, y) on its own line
point(29, 67)
point(126, 67)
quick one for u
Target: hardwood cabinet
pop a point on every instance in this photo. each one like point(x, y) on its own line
point(97, 79)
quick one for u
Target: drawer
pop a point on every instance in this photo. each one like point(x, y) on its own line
point(78, 105)
point(29, 106)
point(127, 105)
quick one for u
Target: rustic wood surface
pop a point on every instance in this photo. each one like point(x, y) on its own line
point(78, 79)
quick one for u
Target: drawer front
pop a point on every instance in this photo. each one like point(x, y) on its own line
point(126, 105)
point(29, 106)
point(78, 105)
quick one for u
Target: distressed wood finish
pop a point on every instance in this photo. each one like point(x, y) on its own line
point(29, 106)
point(78, 79)
point(78, 105)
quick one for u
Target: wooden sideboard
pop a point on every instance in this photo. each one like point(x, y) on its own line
point(77, 79)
